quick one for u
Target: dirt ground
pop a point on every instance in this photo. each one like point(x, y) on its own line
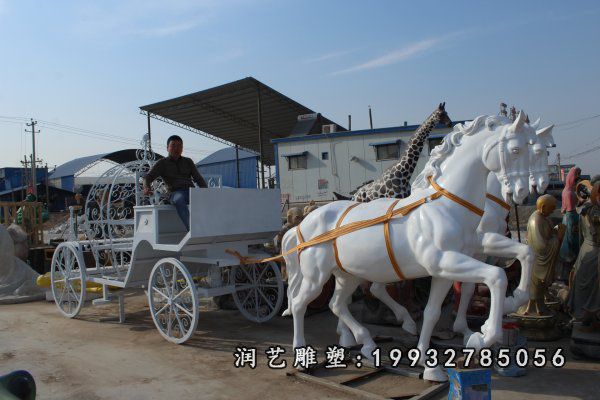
point(95, 357)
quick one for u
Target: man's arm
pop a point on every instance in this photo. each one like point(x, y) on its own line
point(154, 173)
point(197, 177)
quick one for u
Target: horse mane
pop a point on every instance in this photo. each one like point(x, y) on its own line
point(453, 140)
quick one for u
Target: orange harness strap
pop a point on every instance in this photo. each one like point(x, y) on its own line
point(388, 242)
point(300, 238)
point(337, 225)
point(455, 198)
point(495, 199)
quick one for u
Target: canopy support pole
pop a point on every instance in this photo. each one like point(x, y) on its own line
point(260, 138)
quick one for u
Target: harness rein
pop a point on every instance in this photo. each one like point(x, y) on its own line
point(340, 230)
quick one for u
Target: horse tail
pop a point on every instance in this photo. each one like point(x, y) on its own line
point(292, 267)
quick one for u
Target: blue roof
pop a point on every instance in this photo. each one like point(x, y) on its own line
point(226, 154)
point(393, 129)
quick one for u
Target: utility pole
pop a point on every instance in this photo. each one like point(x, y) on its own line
point(24, 177)
point(33, 163)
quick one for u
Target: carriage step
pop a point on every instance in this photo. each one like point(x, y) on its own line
point(216, 291)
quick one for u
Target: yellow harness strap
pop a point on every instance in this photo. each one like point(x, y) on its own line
point(335, 250)
point(495, 199)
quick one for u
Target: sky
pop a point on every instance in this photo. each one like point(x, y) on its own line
point(82, 69)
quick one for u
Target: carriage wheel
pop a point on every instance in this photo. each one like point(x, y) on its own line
point(173, 300)
point(258, 290)
point(67, 279)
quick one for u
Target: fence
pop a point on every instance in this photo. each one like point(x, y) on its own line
point(31, 218)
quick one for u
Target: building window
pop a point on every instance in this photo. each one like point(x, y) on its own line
point(297, 162)
point(433, 143)
point(387, 151)
point(324, 155)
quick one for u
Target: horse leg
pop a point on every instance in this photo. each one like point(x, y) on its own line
point(346, 336)
point(345, 285)
point(401, 313)
point(313, 280)
point(497, 245)
point(460, 323)
point(456, 266)
point(431, 315)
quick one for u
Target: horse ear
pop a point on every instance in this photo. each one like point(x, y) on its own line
point(536, 123)
point(545, 134)
point(519, 121)
point(441, 106)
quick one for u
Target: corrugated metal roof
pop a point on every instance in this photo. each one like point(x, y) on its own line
point(74, 166)
point(226, 154)
point(229, 114)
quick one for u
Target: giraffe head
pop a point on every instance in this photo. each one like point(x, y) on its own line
point(443, 116)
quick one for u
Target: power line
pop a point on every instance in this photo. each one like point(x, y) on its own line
point(95, 134)
point(593, 149)
point(577, 120)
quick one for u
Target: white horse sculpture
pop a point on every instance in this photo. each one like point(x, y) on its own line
point(492, 227)
point(436, 239)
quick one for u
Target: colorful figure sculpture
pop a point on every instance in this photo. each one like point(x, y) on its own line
point(430, 238)
point(570, 246)
point(584, 295)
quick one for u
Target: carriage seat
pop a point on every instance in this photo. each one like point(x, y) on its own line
point(161, 222)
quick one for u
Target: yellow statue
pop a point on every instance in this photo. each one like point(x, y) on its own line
point(545, 241)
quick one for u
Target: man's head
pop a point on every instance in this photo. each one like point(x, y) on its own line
point(545, 204)
point(174, 146)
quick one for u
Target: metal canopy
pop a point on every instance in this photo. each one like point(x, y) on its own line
point(246, 113)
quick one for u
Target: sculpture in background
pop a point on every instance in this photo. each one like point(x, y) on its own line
point(570, 246)
point(536, 321)
point(17, 279)
point(293, 217)
point(584, 295)
point(545, 241)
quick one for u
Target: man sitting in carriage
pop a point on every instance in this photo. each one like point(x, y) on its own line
point(178, 172)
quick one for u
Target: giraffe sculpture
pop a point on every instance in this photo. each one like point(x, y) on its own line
point(394, 182)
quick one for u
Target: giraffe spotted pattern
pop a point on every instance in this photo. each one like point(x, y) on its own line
point(394, 182)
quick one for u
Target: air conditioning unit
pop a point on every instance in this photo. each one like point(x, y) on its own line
point(329, 128)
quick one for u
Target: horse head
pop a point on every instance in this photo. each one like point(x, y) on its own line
point(510, 161)
point(538, 159)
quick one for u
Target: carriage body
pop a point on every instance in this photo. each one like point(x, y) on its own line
point(136, 243)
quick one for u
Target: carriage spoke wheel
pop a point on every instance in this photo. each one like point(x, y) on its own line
point(173, 300)
point(67, 280)
point(258, 290)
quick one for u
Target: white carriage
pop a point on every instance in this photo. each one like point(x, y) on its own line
point(138, 242)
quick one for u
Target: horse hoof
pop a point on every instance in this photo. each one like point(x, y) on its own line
point(367, 351)
point(410, 326)
point(286, 313)
point(435, 375)
point(466, 335)
point(485, 327)
point(475, 341)
point(347, 340)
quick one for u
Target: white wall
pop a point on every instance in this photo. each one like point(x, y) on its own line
point(338, 172)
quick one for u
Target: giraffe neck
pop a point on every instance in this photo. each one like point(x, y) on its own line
point(408, 162)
